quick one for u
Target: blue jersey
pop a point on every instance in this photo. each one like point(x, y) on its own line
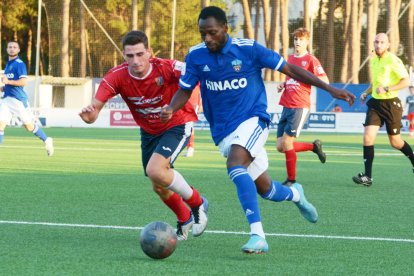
point(15, 70)
point(231, 84)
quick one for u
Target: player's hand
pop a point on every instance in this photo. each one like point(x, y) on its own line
point(166, 114)
point(343, 94)
point(281, 87)
point(89, 114)
point(4, 80)
point(363, 97)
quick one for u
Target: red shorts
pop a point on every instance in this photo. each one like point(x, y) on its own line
point(410, 116)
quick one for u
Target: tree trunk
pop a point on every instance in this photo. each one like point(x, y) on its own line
point(346, 38)
point(284, 4)
point(274, 36)
point(410, 27)
point(134, 15)
point(147, 20)
point(64, 59)
point(391, 23)
point(82, 65)
point(1, 54)
point(257, 21)
point(330, 41)
point(205, 3)
point(354, 59)
point(247, 28)
point(29, 48)
point(266, 20)
point(306, 14)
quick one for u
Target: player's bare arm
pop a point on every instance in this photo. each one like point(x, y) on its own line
point(403, 83)
point(90, 113)
point(177, 102)
point(19, 82)
point(305, 76)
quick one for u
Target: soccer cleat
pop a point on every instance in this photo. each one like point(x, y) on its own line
point(256, 244)
point(288, 182)
point(317, 148)
point(362, 179)
point(49, 146)
point(307, 210)
point(200, 218)
point(190, 152)
point(183, 228)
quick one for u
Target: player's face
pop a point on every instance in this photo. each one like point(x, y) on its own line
point(13, 49)
point(137, 57)
point(213, 33)
point(381, 44)
point(301, 44)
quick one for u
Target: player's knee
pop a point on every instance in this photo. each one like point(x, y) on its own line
point(160, 190)
point(154, 173)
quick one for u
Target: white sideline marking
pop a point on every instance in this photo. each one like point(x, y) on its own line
point(210, 231)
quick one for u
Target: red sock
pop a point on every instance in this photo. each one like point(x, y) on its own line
point(195, 200)
point(177, 205)
point(291, 164)
point(300, 146)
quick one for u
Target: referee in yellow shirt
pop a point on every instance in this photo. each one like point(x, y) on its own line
point(388, 77)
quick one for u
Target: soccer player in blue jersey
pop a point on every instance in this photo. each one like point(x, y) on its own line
point(234, 103)
point(14, 101)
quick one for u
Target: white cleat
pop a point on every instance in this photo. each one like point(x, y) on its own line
point(190, 152)
point(200, 218)
point(184, 228)
point(49, 146)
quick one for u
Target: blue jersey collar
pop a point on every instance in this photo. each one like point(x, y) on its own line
point(227, 47)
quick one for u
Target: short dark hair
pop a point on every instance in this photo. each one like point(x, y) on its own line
point(135, 37)
point(213, 11)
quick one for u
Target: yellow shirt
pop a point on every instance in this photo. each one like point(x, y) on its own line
point(386, 71)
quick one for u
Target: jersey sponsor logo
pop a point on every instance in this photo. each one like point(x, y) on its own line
point(226, 84)
point(320, 70)
point(143, 100)
point(237, 64)
point(292, 82)
point(206, 68)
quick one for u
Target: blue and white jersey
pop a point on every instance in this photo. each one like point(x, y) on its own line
point(15, 70)
point(231, 84)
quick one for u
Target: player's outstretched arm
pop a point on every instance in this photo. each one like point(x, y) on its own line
point(177, 102)
point(305, 76)
point(90, 113)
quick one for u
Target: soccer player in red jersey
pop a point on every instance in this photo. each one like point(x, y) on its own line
point(195, 101)
point(147, 84)
point(296, 106)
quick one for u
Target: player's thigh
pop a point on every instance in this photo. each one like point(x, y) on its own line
point(5, 113)
point(259, 165)
point(251, 135)
point(21, 110)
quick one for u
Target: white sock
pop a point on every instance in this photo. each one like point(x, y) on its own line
point(256, 228)
point(296, 195)
point(180, 186)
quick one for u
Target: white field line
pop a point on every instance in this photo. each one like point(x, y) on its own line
point(115, 227)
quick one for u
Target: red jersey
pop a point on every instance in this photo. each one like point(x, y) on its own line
point(146, 96)
point(297, 94)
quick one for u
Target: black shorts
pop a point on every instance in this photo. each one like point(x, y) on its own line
point(168, 144)
point(387, 111)
point(291, 121)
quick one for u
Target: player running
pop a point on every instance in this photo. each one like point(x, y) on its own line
point(15, 101)
point(234, 103)
point(296, 106)
point(147, 84)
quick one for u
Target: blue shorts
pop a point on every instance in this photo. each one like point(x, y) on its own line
point(169, 144)
point(291, 121)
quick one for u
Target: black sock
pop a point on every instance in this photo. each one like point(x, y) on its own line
point(368, 160)
point(408, 151)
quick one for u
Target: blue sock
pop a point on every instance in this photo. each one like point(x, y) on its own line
point(246, 191)
point(37, 131)
point(1, 136)
point(278, 192)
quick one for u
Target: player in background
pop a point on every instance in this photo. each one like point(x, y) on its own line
point(388, 75)
point(195, 101)
point(296, 106)
point(15, 100)
point(147, 84)
point(409, 101)
point(234, 103)
point(336, 108)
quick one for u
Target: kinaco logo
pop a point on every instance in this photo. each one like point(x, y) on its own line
point(226, 85)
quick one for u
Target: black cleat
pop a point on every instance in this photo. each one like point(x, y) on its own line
point(317, 148)
point(288, 182)
point(362, 179)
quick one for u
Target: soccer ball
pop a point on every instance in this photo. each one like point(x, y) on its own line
point(158, 240)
